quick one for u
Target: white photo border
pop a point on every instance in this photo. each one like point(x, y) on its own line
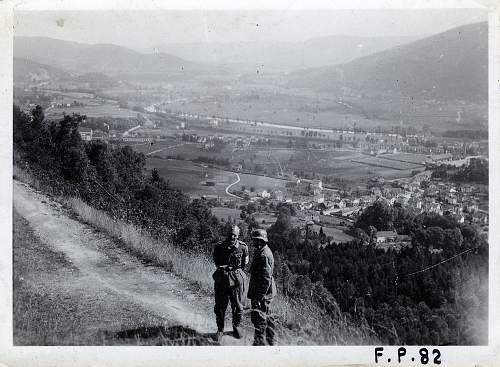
point(14, 356)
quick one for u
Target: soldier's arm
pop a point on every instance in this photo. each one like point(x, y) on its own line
point(264, 277)
point(217, 256)
point(245, 257)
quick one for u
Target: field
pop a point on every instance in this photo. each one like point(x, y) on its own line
point(186, 150)
point(406, 157)
point(331, 163)
point(270, 100)
point(107, 110)
point(260, 183)
point(224, 213)
point(264, 220)
point(387, 163)
point(190, 177)
point(157, 149)
point(336, 234)
point(347, 165)
point(263, 156)
point(274, 107)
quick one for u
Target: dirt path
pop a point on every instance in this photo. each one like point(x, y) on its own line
point(162, 149)
point(105, 269)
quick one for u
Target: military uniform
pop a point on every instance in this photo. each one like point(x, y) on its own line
point(261, 291)
point(229, 280)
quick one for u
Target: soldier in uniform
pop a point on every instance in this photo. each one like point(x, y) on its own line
point(230, 257)
point(262, 289)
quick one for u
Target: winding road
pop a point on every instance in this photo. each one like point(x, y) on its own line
point(162, 149)
point(231, 185)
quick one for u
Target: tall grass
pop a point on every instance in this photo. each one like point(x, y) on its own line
point(307, 323)
point(24, 176)
point(191, 266)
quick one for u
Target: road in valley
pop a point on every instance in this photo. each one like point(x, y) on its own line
point(162, 149)
point(231, 185)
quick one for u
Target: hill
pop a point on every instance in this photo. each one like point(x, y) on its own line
point(447, 66)
point(28, 71)
point(315, 52)
point(103, 58)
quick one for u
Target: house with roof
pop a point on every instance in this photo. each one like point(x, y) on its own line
point(278, 195)
point(85, 133)
point(386, 236)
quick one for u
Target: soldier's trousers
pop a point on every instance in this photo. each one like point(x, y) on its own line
point(225, 294)
point(263, 322)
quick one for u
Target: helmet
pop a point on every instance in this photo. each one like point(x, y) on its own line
point(235, 230)
point(260, 234)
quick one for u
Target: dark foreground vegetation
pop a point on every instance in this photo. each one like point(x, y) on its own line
point(444, 304)
point(382, 291)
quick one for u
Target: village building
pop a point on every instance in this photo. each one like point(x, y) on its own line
point(85, 133)
point(386, 236)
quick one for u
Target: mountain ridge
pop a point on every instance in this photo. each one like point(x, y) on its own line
point(450, 65)
point(313, 52)
point(107, 58)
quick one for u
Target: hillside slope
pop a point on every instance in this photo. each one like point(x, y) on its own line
point(104, 58)
point(108, 292)
point(28, 71)
point(450, 65)
point(314, 52)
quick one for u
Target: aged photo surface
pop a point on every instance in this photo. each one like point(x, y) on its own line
point(250, 177)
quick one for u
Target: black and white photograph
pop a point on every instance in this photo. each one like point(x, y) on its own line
point(251, 177)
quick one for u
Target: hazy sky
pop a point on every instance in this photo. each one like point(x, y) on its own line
point(143, 29)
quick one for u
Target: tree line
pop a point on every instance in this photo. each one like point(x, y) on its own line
point(111, 178)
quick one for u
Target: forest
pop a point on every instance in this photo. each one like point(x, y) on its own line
point(434, 291)
point(476, 171)
point(387, 290)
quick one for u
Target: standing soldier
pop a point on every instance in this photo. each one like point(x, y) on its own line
point(262, 289)
point(230, 257)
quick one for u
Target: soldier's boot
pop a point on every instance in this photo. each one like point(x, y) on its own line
point(258, 340)
point(258, 336)
point(237, 332)
point(237, 303)
point(221, 301)
point(236, 323)
point(270, 333)
point(270, 341)
point(218, 336)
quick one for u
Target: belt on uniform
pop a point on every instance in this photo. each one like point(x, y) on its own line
point(225, 267)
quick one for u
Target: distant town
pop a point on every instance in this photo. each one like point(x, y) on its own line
point(316, 198)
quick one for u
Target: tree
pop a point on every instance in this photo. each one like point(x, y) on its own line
point(378, 215)
point(155, 176)
point(322, 236)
